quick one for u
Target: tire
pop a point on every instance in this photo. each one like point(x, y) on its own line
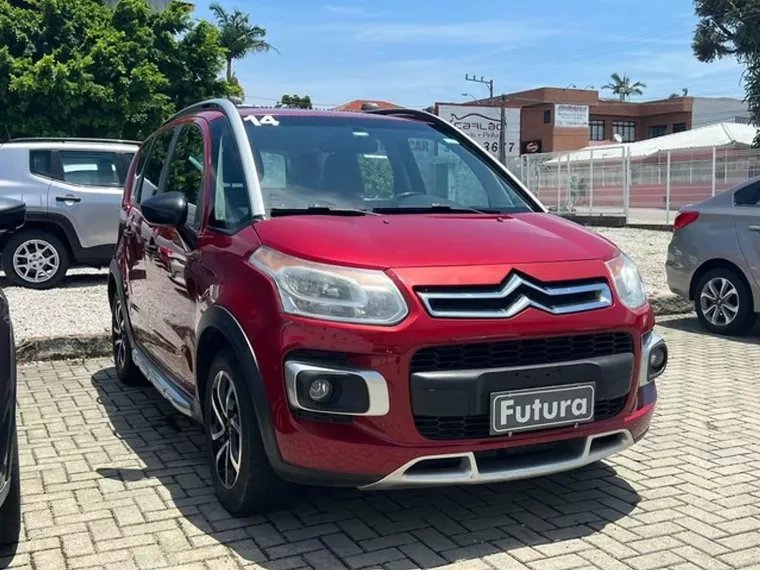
point(733, 314)
point(126, 369)
point(36, 241)
point(255, 488)
point(10, 511)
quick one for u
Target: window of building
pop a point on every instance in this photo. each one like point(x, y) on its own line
point(596, 130)
point(547, 116)
point(626, 129)
point(658, 131)
point(679, 127)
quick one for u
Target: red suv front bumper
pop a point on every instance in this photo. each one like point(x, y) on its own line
point(428, 420)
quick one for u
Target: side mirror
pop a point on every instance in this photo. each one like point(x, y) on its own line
point(168, 209)
point(12, 214)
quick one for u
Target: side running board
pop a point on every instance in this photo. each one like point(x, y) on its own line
point(165, 386)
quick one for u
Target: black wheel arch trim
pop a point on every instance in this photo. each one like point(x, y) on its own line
point(222, 321)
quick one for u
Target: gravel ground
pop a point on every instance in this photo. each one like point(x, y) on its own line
point(648, 249)
point(81, 305)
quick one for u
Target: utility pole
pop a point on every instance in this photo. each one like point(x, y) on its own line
point(488, 82)
point(503, 131)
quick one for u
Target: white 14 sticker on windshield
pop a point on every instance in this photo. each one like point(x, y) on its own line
point(265, 120)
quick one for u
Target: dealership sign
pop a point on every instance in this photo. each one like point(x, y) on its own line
point(483, 125)
point(572, 116)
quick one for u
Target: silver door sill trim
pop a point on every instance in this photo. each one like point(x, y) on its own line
point(468, 472)
point(161, 383)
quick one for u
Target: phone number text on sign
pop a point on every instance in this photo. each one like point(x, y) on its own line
point(482, 124)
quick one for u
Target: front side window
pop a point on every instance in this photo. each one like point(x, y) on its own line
point(151, 174)
point(230, 207)
point(373, 163)
point(90, 168)
point(185, 170)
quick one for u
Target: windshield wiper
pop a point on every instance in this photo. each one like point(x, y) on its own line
point(435, 209)
point(319, 211)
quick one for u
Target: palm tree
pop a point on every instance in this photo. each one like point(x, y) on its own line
point(238, 36)
point(622, 86)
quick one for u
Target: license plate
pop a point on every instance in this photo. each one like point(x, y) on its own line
point(541, 408)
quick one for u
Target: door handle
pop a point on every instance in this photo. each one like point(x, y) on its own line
point(68, 198)
point(754, 228)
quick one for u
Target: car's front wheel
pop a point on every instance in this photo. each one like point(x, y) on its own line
point(35, 259)
point(10, 510)
point(244, 480)
point(724, 304)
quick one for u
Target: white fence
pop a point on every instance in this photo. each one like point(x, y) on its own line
point(646, 189)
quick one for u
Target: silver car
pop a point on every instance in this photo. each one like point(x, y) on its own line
point(72, 189)
point(714, 258)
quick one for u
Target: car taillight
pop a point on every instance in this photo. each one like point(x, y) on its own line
point(683, 219)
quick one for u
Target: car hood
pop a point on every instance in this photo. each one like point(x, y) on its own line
point(420, 240)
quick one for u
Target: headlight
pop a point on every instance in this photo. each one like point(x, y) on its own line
point(627, 280)
point(330, 292)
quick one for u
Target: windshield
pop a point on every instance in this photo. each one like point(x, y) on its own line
point(370, 163)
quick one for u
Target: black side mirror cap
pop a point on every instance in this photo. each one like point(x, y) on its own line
point(12, 214)
point(168, 209)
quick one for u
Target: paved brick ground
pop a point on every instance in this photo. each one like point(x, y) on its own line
point(114, 478)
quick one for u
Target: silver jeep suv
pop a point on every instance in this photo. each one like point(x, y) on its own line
point(72, 189)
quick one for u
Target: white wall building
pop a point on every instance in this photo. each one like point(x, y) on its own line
point(712, 110)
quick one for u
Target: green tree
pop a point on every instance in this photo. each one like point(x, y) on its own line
point(295, 102)
point(79, 68)
point(732, 29)
point(621, 86)
point(238, 36)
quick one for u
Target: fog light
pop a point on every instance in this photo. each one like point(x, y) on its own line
point(657, 358)
point(320, 390)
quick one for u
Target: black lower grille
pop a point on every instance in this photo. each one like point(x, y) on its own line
point(520, 352)
point(476, 427)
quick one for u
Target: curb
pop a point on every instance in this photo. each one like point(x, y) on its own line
point(96, 346)
point(77, 347)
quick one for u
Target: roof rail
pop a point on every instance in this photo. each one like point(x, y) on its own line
point(72, 139)
point(244, 147)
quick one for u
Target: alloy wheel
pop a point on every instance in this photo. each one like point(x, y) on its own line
point(36, 261)
point(225, 429)
point(719, 301)
point(119, 335)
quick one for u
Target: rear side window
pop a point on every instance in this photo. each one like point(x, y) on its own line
point(40, 163)
point(90, 168)
point(748, 196)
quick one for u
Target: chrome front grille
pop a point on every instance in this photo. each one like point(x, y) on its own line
point(514, 295)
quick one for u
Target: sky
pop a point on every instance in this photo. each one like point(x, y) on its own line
point(417, 52)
